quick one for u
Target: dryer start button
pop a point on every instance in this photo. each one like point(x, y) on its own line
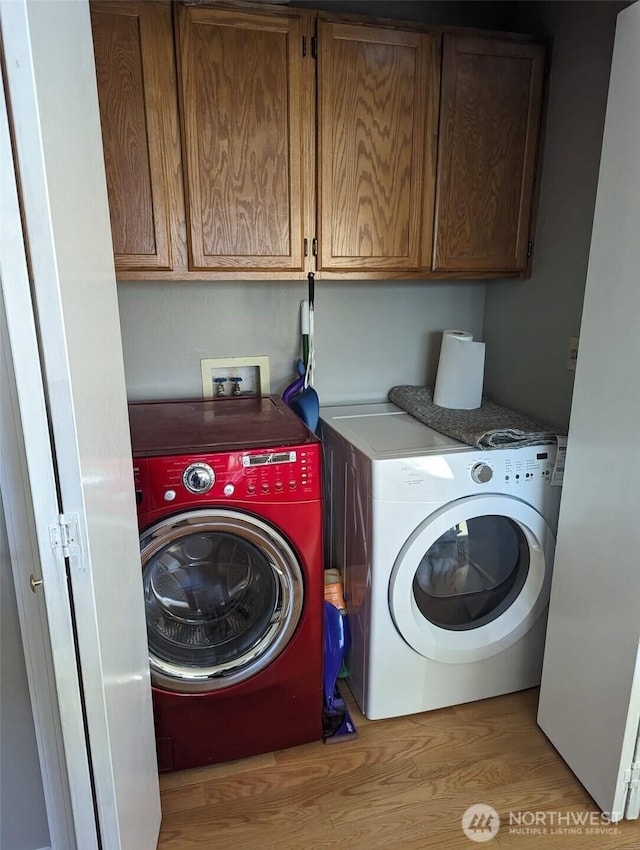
point(481, 473)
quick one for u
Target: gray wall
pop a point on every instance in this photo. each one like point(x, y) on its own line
point(23, 818)
point(527, 324)
point(369, 336)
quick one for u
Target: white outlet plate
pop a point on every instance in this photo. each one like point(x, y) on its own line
point(254, 372)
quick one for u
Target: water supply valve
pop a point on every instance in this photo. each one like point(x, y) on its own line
point(220, 388)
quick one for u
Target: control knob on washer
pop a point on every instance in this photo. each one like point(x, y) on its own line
point(481, 473)
point(198, 477)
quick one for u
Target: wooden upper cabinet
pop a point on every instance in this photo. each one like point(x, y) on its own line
point(377, 126)
point(134, 55)
point(245, 141)
point(246, 157)
point(491, 100)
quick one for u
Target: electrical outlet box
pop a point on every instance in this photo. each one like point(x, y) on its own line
point(235, 376)
point(573, 353)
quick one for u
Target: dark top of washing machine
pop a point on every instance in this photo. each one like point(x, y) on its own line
point(184, 427)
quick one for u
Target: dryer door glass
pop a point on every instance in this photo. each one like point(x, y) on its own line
point(472, 573)
point(223, 595)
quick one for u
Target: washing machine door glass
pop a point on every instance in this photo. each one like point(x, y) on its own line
point(472, 572)
point(223, 595)
point(472, 579)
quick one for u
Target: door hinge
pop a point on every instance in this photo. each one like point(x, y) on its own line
point(64, 535)
point(314, 246)
point(529, 249)
point(632, 788)
point(304, 45)
point(314, 46)
point(632, 775)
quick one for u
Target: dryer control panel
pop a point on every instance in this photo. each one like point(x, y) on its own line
point(513, 469)
point(264, 475)
point(521, 466)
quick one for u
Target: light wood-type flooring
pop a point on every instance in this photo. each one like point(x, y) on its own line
point(402, 783)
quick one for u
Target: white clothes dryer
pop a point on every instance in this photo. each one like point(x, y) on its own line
point(446, 554)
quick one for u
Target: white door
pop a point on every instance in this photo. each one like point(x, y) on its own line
point(47, 630)
point(53, 104)
point(590, 693)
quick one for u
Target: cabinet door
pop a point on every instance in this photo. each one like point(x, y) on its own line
point(133, 45)
point(489, 127)
point(241, 92)
point(377, 90)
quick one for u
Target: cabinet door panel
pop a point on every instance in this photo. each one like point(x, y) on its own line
point(489, 127)
point(376, 86)
point(135, 69)
point(241, 90)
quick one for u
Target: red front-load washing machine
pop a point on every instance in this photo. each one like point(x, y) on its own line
point(229, 507)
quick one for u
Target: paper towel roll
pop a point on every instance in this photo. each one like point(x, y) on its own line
point(460, 371)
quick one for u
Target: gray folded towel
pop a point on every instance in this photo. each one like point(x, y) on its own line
point(489, 426)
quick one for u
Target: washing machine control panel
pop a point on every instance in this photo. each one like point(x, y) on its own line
point(256, 475)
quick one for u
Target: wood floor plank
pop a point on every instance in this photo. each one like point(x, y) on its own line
point(274, 810)
point(523, 702)
point(433, 723)
point(263, 837)
point(401, 744)
point(489, 774)
point(229, 768)
point(183, 799)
